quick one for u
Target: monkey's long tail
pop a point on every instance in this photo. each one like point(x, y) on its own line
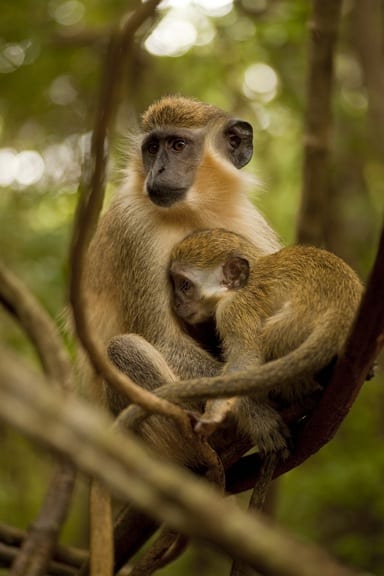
point(314, 354)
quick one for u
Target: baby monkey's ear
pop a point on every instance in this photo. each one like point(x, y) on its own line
point(235, 272)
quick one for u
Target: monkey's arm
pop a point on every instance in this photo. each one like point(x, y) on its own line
point(218, 411)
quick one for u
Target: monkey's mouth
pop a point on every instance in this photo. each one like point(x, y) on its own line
point(164, 196)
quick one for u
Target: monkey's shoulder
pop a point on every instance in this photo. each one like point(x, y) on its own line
point(308, 263)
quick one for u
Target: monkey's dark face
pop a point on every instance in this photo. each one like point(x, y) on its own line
point(170, 159)
point(189, 303)
point(172, 156)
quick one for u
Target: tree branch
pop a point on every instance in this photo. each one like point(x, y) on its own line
point(172, 495)
point(367, 19)
point(38, 326)
point(323, 27)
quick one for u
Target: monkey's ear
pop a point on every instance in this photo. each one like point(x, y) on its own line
point(238, 136)
point(235, 272)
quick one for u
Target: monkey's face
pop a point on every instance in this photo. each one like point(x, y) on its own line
point(171, 156)
point(170, 159)
point(195, 293)
point(187, 301)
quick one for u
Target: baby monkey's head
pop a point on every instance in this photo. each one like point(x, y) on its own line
point(205, 268)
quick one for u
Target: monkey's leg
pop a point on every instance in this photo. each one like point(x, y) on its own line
point(264, 425)
point(137, 358)
point(256, 502)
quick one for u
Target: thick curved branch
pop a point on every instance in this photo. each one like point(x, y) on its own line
point(323, 25)
point(89, 207)
point(173, 495)
point(38, 326)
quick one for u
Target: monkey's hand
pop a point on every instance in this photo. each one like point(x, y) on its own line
point(216, 414)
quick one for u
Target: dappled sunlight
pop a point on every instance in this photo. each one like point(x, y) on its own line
point(24, 168)
point(260, 81)
point(67, 13)
point(57, 164)
point(185, 24)
point(13, 55)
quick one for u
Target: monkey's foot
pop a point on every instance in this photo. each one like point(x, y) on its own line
point(268, 431)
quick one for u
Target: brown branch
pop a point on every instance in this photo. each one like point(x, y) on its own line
point(37, 548)
point(38, 326)
point(367, 20)
point(323, 27)
point(169, 494)
point(90, 203)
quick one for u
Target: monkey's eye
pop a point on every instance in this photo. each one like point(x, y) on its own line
point(185, 285)
point(182, 284)
point(153, 147)
point(178, 144)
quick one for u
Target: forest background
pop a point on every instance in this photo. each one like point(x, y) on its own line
point(249, 58)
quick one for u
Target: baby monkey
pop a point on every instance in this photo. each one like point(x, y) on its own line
point(279, 315)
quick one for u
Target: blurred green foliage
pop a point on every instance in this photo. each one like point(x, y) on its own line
point(50, 54)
